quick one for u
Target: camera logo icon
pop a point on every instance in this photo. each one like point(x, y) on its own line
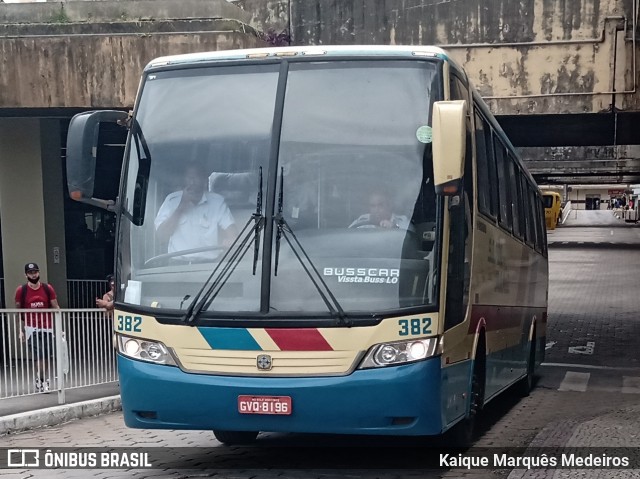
point(23, 457)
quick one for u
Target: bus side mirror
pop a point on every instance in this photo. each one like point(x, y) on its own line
point(449, 145)
point(82, 149)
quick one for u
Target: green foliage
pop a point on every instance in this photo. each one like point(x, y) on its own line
point(60, 17)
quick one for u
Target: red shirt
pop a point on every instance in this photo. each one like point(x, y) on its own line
point(37, 299)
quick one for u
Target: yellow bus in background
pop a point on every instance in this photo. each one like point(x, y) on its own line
point(552, 208)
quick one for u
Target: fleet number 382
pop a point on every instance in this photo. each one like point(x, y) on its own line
point(129, 323)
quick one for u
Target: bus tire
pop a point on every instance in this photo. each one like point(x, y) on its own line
point(234, 438)
point(464, 433)
point(525, 385)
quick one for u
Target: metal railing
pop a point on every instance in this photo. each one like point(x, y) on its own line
point(71, 348)
point(566, 209)
point(82, 293)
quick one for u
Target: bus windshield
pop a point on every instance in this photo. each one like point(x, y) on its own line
point(339, 149)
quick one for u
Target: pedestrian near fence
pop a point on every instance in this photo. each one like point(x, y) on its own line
point(37, 328)
point(108, 299)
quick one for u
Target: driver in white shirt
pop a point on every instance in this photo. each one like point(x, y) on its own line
point(380, 214)
point(195, 218)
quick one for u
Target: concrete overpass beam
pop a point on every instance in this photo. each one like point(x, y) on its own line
point(584, 167)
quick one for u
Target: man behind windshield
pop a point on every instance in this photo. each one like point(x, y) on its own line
point(380, 214)
point(195, 218)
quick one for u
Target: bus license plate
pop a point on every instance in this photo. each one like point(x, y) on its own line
point(264, 405)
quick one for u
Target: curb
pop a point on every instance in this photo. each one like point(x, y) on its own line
point(58, 414)
point(592, 245)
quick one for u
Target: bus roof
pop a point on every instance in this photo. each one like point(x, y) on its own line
point(316, 51)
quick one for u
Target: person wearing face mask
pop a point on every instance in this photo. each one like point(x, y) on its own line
point(37, 328)
point(195, 218)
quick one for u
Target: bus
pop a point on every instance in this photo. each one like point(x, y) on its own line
point(552, 208)
point(310, 320)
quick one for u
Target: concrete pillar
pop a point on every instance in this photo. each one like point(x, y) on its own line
point(31, 202)
point(53, 192)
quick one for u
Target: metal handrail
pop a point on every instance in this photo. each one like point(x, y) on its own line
point(565, 212)
point(82, 293)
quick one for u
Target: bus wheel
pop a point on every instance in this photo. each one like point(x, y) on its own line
point(526, 383)
point(463, 433)
point(233, 438)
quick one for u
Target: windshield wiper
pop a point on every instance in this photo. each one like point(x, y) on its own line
point(284, 230)
point(257, 217)
point(229, 262)
point(280, 222)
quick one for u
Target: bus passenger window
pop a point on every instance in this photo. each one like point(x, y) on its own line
point(459, 273)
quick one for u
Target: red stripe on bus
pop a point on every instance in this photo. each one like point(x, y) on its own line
point(299, 339)
point(503, 317)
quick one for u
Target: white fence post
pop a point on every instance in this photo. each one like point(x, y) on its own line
point(59, 332)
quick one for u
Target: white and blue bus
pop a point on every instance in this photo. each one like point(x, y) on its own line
point(317, 316)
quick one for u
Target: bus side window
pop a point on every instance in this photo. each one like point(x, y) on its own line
point(424, 210)
point(459, 268)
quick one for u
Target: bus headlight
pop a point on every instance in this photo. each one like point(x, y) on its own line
point(400, 352)
point(145, 350)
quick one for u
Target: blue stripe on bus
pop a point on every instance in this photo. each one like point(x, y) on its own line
point(234, 339)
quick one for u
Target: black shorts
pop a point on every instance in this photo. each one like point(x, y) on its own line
point(41, 343)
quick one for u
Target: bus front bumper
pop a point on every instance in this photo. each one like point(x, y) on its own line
point(403, 400)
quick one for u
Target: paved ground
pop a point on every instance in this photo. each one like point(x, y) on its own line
point(40, 401)
point(587, 395)
point(599, 229)
point(592, 218)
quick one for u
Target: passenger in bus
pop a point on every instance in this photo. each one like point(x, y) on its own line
point(380, 214)
point(195, 218)
point(108, 299)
